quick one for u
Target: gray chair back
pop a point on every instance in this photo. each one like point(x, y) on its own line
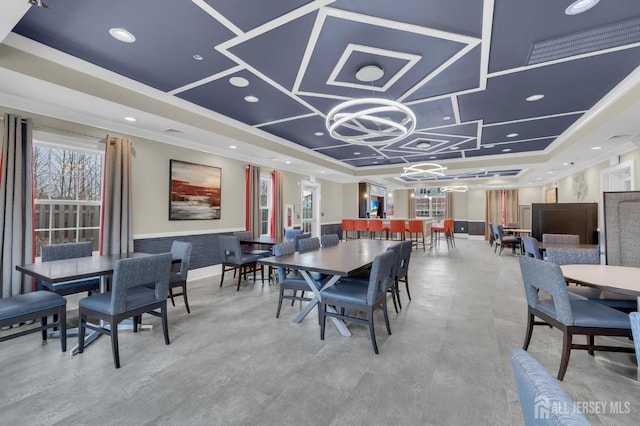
point(531, 247)
point(497, 235)
point(289, 234)
point(138, 272)
point(282, 249)
point(405, 254)
point(301, 236)
point(53, 252)
point(542, 400)
point(634, 318)
point(230, 250)
point(244, 235)
point(546, 276)
point(561, 238)
point(182, 250)
point(382, 271)
point(572, 256)
point(307, 244)
point(329, 240)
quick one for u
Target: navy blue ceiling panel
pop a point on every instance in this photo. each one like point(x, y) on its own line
point(457, 64)
point(249, 14)
point(517, 25)
point(567, 87)
point(158, 58)
point(219, 95)
point(553, 126)
point(458, 16)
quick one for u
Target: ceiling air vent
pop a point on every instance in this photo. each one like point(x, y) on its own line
point(174, 131)
point(605, 37)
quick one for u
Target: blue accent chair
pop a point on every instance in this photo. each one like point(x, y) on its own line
point(53, 252)
point(289, 234)
point(531, 248)
point(578, 256)
point(300, 236)
point(502, 241)
point(571, 316)
point(329, 240)
point(180, 250)
point(289, 279)
point(234, 260)
point(542, 400)
point(129, 297)
point(364, 298)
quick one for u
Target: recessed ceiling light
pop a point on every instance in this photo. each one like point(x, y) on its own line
point(375, 162)
point(356, 153)
point(423, 145)
point(251, 99)
point(506, 150)
point(550, 172)
point(287, 162)
point(538, 178)
point(198, 57)
point(319, 134)
point(530, 183)
point(580, 6)
point(512, 135)
point(432, 157)
point(232, 146)
point(482, 170)
point(565, 164)
point(454, 148)
point(369, 73)
point(596, 147)
point(446, 117)
point(496, 175)
point(131, 119)
point(122, 35)
point(321, 171)
point(488, 146)
point(239, 81)
point(533, 98)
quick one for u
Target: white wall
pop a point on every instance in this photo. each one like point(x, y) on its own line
point(476, 202)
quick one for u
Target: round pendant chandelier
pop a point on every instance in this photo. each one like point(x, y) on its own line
point(423, 171)
point(370, 121)
point(455, 188)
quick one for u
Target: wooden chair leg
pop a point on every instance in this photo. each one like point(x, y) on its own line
point(171, 296)
point(322, 318)
point(165, 324)
point(591, 341)
point(566, 353)
point(527, 337)
point(280, 301)
point(184, 296)
point(240, 278)
point(222, 278)
point(82, 321)
point(372, 331)
point(386, 317)
point(114, 343)
point(406, 284)
point(43, 324)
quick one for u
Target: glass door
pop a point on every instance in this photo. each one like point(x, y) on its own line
point(310, 209)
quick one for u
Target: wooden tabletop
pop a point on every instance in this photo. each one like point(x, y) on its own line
point(342, 259)
point(619, 279)
point(267, 241)
point(74, 269)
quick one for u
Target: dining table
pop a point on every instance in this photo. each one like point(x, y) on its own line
point(334, 262)
point(57, 271)
point(617, 279)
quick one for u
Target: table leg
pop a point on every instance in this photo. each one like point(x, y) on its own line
point(340, 325)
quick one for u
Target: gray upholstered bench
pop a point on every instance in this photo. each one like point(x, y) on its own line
point(39, 304)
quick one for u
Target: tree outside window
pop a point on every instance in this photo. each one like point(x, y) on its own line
point(68, 195)
point(265, 204)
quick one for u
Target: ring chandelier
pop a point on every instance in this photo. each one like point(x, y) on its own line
point(423, 171)
point(455, 188)
point(368, 121)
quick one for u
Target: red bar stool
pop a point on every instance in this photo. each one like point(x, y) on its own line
point(448, 233)
point(397, 226)
point(376, 225)
point(416, 227)
point(348, 225)
point(436, 231)
point(361, 225)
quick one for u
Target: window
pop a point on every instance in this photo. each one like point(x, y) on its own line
point(265, 203)
point(68, 194)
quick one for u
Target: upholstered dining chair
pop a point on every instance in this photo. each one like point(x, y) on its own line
point(579, 256)
point(62, 251)
point(531, 248)
point(178, 279)
point(573, 316)
point(502, 241)
point(129, 297)
point(352, 296)
point(542, 400)
point(289, 280)
point(307, 244)
point(560, 238)
point(329, 240)
point(247, 249)
point(300, 236)
point(289, 234)
point(234, 260)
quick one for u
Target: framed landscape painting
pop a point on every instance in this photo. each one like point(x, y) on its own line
point(194, 191)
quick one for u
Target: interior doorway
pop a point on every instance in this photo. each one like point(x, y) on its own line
point(310, 203)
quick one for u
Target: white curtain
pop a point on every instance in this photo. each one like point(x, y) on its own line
point(16, 204)
point(117, 218)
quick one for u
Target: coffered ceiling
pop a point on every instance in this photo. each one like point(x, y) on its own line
point(274, 68)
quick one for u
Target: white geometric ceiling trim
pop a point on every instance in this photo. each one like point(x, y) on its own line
point(218, 16)
point(352, 47)
point(542, 117)
point(221, 74)
point(284, 120)
point(324, 12)
point(456, 108)
point(485, 48)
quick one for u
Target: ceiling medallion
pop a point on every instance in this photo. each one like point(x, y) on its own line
point(455, 188)
point(423, 170)
point(369, 121)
